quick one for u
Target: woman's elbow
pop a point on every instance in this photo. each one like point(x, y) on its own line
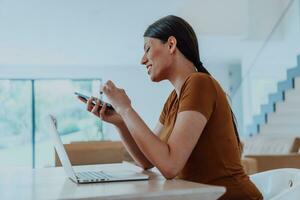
point(169, 173)
point(169, 176)
point(144, 166)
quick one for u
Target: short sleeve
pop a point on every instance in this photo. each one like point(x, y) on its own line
point(198, 94)
point(163, 114)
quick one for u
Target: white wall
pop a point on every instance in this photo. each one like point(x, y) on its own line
point(103, 39)
point(76, 32)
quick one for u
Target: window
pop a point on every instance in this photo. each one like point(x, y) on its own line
point(15, 123)
point(25, 104)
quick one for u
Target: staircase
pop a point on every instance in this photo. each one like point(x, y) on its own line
point(281, 115)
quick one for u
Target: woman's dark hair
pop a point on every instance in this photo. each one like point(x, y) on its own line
point(186, 38)
point(187, 43)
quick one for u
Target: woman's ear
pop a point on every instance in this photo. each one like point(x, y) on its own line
point(172, 44)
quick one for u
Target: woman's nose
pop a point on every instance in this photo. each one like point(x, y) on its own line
point(144, 59)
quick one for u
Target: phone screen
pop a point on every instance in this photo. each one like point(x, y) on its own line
point(82, 95)
point(109, 106)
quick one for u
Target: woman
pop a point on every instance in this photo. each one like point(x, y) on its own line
point(196, 138)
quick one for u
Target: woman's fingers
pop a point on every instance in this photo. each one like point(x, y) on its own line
point(108, 87)
point(110, 84)
point(90, 104)
point(105, 89)
point(95, 109)
point(102, 111)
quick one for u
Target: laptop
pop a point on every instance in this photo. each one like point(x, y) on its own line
point(88, 176)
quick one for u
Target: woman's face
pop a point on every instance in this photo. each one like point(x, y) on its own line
point(157, 59)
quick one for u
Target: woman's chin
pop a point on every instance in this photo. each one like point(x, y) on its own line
point(154, 78)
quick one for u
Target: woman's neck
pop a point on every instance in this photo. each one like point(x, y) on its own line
point(180, 72)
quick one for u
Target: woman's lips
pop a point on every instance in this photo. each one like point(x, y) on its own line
point(149, 67)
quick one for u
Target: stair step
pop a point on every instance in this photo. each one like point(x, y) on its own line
point(285, 85)
point(293, 72)
point(292, 95)
point(287, 107)
point(279, 134)
point(284, 118)
point(279, 129)
point(297, 83)
point(252, 129)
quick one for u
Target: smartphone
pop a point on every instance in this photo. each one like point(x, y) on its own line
point(109, 106)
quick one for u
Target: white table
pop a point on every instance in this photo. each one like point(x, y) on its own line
point(52, 183)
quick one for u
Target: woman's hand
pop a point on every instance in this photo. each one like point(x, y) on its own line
point(116, 96)
point(102, 112)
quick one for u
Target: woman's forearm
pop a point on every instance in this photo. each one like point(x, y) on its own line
point(132, 147)
point(156, 151)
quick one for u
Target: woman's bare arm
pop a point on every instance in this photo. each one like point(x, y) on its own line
point(132, 147)
point(169, 157)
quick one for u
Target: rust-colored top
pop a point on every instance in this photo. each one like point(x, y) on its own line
point(216, 157)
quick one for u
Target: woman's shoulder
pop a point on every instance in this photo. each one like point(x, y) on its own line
point(201, 82)
point(200, 76)
point(200, 79)
point(172, 96)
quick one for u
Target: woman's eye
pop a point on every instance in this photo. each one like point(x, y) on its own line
point(148, 49)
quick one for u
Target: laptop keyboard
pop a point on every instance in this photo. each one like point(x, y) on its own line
point(93, 176)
